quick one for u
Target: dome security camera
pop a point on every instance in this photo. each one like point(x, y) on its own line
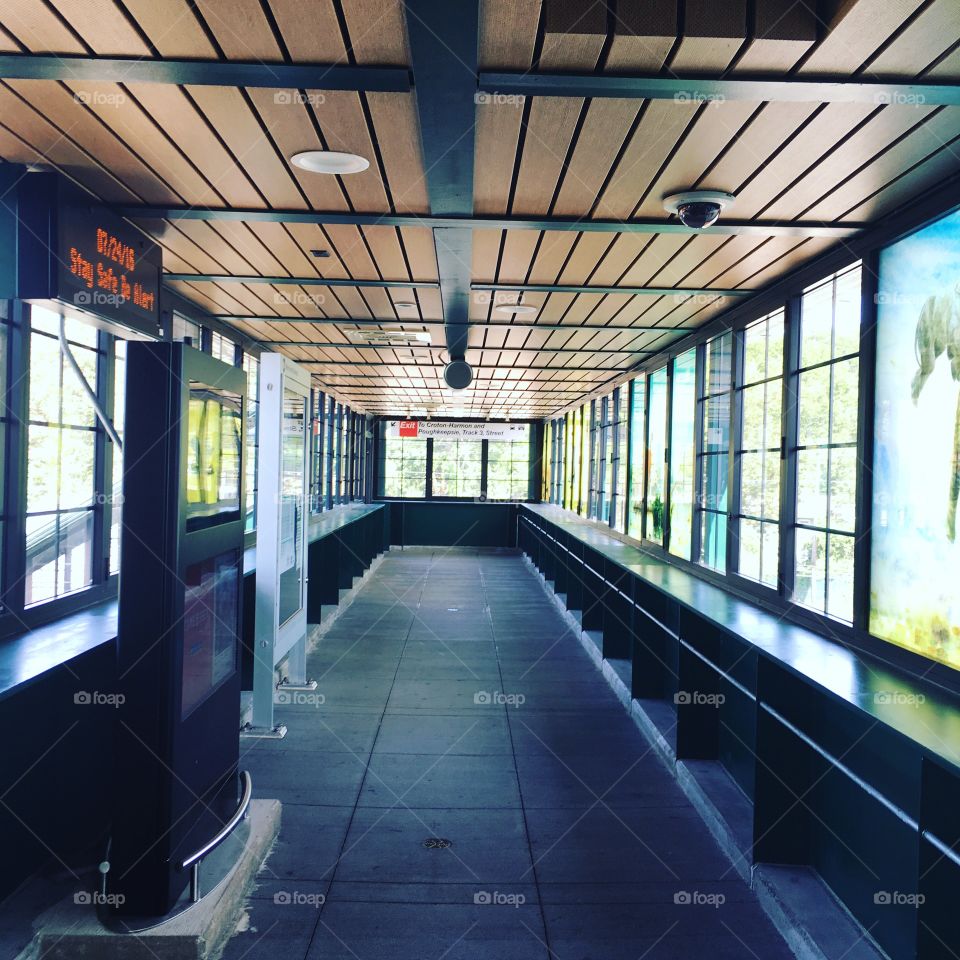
point(698, 208)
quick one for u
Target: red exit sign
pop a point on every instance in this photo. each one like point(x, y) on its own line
point(409, 428)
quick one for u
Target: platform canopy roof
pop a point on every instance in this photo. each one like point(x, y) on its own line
point(519, 152)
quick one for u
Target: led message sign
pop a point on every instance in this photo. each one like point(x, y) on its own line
point(82, 257)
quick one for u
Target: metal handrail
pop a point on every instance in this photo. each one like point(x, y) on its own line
point(193, 861)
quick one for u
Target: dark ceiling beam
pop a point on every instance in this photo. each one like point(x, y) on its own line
point(630, 291)
point(218, 73)
point(439, 367)
point(444, 48)
point(705, 89)
point(298, 281)
point(443, 348)
point(486, 324)
point(726, 227)
point(475, 287)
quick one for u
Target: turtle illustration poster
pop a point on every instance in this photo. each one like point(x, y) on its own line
point(915, 553)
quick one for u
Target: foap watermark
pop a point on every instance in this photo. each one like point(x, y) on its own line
point(896, 898)
point(99, 298)
point(695, 898)
point(100, 98)
point(698, 96)
point(300, 698)
point(498, 698)
point(500, 99)
point(95, 698)
point(897, 698)
point(899, 98)
point(284, 98)
point(299, 298)
point(697, 698)
point(495, 898)
point(297, 898)
point(496, 298)
point(93, 898)
point(900, 299)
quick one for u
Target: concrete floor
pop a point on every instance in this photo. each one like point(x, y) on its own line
point(453, 702)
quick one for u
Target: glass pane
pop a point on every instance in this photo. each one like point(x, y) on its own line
point(840, 592)
point(817, 325)
point(637, 458)
point(751, 543)
point(846, 333)
point(755, 353)
point(77, 408)
point(814, 415)
point(292, 505)
point(716, 424)
point(656, 451)
point(846, 382)
point(810, 573)
point(44, 379)
point(714, 482)
point(751, 436)
point(843, 489)
point(43, 458)
point(58, 555)
point(76, 468)
point(713, 540)
point(719, 364)
point(751, 484)
point(812, 487)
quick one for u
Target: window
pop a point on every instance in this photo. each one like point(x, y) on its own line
point(184, 329)
point(508, 469)
point(603, 440)
point(251, 367)
point(656, 456)
point(116, 487)
point(546, 488)
point(620, 457)
point(758, 454)
point(457, 468)
point(682, 455)
point(403, 467)
point(638, 458)
point(714, 455)
point(61, 459)
point(222, 348)
point(828, 382)
point(584, 453)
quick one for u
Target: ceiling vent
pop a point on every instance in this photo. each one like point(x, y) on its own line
point(388, 338)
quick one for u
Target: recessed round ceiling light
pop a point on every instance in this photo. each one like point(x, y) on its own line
point(405, 305)
point(329, 161)
point(523, 308)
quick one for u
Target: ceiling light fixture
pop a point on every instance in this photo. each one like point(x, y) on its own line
point(405, 305)
point(524, 308)
point(329, 161)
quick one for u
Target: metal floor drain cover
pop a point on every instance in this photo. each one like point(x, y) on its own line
point(437, 843)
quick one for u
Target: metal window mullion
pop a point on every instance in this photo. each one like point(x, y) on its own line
point(615, 458)
point(103, 388)
point(738, 347)
point(667, 453)
point(700, 409)
point(329, 426)
point(790, 413)
point(428, 466)
point(863, 515)
point(484, 454)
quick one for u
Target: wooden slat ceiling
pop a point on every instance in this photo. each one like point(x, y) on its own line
point(170, 145)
